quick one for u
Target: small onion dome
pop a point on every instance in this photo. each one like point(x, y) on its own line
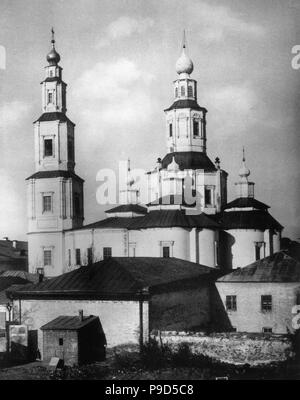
point(244, 172)
point(53, 57)
point(184, 64)
point(173, 166)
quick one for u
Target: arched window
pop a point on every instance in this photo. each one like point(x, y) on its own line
point(170, 130)
point(176, 92)
point(190, 91)
point(182, 91)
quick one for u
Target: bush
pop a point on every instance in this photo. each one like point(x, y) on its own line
point(154, 356)
point(183, 356)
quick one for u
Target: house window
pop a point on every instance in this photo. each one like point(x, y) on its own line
point(267, 330)
point(190, 91)
point(231, 303)
point(166, 251)
point(182, 91)
point(90, 255)
point(170, 130)
point(47, 203)
point(69, 257)
point(47, 257)
point(50, 97)
point(78, 257)
point(48, 148)
point(266, 303)
point(106, 252)
point(208, 197)
point(61, 341)
point(260, 248)
point(195, 127)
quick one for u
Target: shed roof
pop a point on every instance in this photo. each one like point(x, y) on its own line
point(54, 116)
point(68, 323)
point(186, 103)
point(117, 277)
point(135, 208)
point(255, 219)
point(55, 174)
point(244, 202)
point(280, 267)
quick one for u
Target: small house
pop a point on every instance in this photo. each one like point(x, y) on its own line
point(74, 339)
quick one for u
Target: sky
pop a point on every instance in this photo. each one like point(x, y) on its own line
point(118, 59)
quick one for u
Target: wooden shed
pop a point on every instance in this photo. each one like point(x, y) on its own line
point(74, 339)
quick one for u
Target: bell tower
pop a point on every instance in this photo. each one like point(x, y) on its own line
point(55, 192)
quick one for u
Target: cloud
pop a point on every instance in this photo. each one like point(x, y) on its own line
point(215, 22)
point(235, 105)
point(12, 113)
point(124, 27)
point(113, 95)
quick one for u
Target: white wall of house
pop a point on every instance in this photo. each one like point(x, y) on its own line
point(248, 316)
point(120, 319)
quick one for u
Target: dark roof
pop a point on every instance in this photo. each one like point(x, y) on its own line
point(279, 267)
point(172, 218)
point(186, 104)
point(20, 274)
point(54, 116)
point(189, 160)
point(243, 202)
point(255, 219)
point(117, 278)
point(7, 282)
point(135, 208)
point(55, 174)
point(7, 250)
point(67, 323)
point(111, 222)
point(54, 79)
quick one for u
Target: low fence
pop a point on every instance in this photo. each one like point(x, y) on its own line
point(232, 348)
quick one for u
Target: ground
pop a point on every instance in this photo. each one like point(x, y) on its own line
point(130, 369)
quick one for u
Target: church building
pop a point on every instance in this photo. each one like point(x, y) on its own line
point(188, 216)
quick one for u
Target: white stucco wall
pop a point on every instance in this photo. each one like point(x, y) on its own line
point(119, 319)
point(248, 317)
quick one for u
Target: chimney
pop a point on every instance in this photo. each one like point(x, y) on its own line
point(41, 277)
point(81, 315)
point(14, 243)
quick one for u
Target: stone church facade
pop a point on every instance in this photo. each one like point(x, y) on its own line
point(188, 216)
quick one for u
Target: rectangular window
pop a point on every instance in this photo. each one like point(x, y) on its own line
point(78, 257)
point(70, 149)
point(166, 251)
point(208, 197)
point(267, 330)
point(69, 257)
point(47, 257)
point(61, 341)
point(190, 91)
point(77, 204)
point(259, 250)
point(170, 130)
point(106, 252)
point(48, 147)
point(90, 255)
point(50, 97)
point(266, 303)
point(195, 127)
point(47, 203)
point(231, 303)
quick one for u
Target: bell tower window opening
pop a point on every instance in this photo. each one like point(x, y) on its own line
point(176, 92)
point(208, 197)
point(195, 127)
point(190, 91)
point(77, 204)
point(50, 98)
point(170, 130)
point(182, 91)
point(48, 147)
point(51, 74)
point(70, 149)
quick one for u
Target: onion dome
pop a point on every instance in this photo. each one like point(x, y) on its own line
point(53, 57)
point(244, 172)
point(173, 166)
point(184, 64)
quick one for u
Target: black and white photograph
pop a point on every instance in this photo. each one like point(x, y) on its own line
point(149, 192)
